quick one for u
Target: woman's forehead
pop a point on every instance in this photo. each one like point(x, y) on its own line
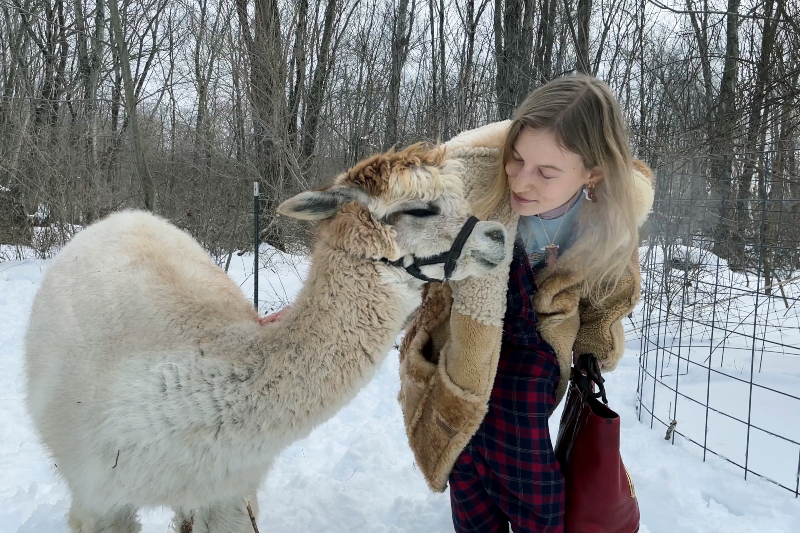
point(544, 144)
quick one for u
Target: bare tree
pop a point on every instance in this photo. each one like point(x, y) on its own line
point(297, 68)
point(316, 92)
point(584, 17)
point(206, 51)
point(466, 79)
point(513, 38)
point(289, 93)
point(267, 100)
point(118, 36)
point(724, 123)
point(403, 24)
point(545, 38)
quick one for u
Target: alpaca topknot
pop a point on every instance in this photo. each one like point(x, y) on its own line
point(397, 175)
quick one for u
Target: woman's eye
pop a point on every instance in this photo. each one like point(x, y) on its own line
point(545, 176)
point(420, 213)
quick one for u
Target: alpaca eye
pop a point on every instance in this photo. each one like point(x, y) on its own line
point(420, 213)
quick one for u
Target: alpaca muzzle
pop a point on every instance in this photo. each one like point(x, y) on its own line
point(448, 258)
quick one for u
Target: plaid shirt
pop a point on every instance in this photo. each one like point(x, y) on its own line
point(508, 472)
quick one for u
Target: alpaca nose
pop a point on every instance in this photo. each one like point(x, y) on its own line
point(496, 235)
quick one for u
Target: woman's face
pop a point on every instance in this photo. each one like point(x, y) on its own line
point(542, 175)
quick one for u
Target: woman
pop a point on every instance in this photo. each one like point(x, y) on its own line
point(486, 361)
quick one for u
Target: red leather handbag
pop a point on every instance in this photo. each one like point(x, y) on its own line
point(600, 493)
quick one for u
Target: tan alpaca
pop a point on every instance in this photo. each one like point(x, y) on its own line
point(151, 382)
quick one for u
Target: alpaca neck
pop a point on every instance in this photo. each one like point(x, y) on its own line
point(343, 323)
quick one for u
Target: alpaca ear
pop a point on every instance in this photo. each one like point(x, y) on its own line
point(318, 205)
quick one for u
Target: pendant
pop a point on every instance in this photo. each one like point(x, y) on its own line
point(535, 258)
point(550, 254)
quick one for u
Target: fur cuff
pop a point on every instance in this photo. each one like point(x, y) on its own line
point(446, 420)
point(415, 375)
point(444, 403)
point(601, 331)
point(484, 299)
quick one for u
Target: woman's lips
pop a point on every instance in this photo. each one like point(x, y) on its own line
point(521, 200)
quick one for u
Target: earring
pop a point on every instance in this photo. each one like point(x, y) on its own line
point(588, 192)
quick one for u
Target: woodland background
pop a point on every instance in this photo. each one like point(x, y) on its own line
point(178, 106)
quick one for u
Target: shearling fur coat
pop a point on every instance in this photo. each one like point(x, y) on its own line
point(448, 358)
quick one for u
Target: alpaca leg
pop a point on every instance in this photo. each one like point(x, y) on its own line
point(183, 521)
point(119, 520)
point(222, 517)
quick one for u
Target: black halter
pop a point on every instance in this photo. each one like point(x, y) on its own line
point(449, 258)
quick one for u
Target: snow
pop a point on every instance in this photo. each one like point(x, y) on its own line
point(355, 473)
point(716, 347)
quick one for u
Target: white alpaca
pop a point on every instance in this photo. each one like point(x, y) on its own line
point(151, 382)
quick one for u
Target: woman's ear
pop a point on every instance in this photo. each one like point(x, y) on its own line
point(596, 175)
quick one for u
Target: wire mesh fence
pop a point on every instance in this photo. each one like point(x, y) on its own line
point(720, 322)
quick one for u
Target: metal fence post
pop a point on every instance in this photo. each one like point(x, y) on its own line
point(255, 244)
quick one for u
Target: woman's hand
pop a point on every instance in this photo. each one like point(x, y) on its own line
point(274, 317)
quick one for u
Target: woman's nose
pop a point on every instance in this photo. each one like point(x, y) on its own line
point(524, 177)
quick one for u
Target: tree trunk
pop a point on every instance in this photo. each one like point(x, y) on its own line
point(86, 109)
point(466, 98)
point(756, 137)
point(93, 81)
point(299, 65)
point(722, 135)
point(46, 108)
point(434, 110)
point(513, 36)
point(204, 64)
point(443, 74)
point(12, 132)
point(118, 38)
point(582, 45)
point(545, 38)
point(401, 36)
point(319, 82)
point(239, 137)
point(268, 103)
point(611, 16)
point(786, 170)
point(700, 27)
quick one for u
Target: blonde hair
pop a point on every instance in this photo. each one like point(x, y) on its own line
point(584, 115)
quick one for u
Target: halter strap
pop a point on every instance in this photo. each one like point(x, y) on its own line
point(449, 258)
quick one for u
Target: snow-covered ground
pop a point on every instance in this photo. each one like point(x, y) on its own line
point(355, 473)
point(725, 335)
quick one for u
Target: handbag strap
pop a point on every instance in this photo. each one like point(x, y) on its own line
point(586, 373)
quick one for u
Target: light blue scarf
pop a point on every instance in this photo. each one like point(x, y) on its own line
point(535, 238)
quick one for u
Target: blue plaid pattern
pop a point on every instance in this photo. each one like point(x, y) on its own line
point(508, 472)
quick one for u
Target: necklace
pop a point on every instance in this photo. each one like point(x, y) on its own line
point(551, 250)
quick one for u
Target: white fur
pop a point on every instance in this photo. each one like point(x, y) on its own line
point(489, 136)
point(152, 384)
